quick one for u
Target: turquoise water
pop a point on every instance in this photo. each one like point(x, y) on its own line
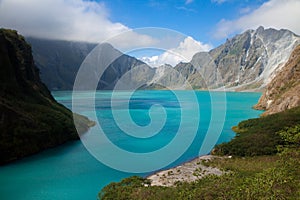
point(71, 172)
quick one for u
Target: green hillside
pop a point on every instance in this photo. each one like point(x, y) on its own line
point(31, 120)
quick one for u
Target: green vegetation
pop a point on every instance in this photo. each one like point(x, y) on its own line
point(31, 120)
point(259, 136)
point(291, 138)
point(269, 170)
point(125, 188)
point(261, 177)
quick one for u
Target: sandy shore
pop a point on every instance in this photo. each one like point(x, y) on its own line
point(188, 172)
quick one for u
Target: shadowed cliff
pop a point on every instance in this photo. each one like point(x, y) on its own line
point(30, 119)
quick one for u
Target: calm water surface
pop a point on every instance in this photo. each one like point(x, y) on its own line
point(70, 172)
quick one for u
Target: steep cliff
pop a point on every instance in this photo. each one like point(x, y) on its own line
point(247, 61)
point(283, 92)
point(30, 119)
point(59, 62)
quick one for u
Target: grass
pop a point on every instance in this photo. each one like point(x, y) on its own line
point(260, 177)
point(247, 165)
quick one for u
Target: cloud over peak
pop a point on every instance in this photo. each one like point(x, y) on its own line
point(77, 20)
point(272, 14)
point(184, 52)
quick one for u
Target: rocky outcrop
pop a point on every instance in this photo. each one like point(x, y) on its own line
point(30, 119)
point(248, 61)
point(283, 92)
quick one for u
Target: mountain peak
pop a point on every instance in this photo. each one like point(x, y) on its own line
point(260, 29)
point(107, 46)
point(247, 61)
point(108, 50)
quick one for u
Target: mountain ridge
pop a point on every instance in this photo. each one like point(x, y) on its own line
point(246, 62)
point(59, 62)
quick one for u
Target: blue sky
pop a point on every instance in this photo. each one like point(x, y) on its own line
point(198, 18)
point(200, 24)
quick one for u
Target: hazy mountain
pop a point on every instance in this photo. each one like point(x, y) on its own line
point(31, 120)
point(59, 62)
point(283, 92)
point(130, 71)
point(247, 61)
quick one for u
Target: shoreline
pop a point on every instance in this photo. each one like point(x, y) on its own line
point(189, 171)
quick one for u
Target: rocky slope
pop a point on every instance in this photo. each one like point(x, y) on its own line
point(132, 71)
point(283, 92)
point(247, 61)
point(59, 62)
point(30, 119)
point(167, 77)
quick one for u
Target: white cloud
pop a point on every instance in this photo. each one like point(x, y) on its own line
point(182, 53)
point(272, 14)
point(78, 20)
point(186, 9)
point(218, 1)
point(245, 10)
point(189, 1)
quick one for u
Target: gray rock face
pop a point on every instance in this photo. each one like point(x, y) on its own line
point(246, 62)
point(283, 92)
point(167, 77)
